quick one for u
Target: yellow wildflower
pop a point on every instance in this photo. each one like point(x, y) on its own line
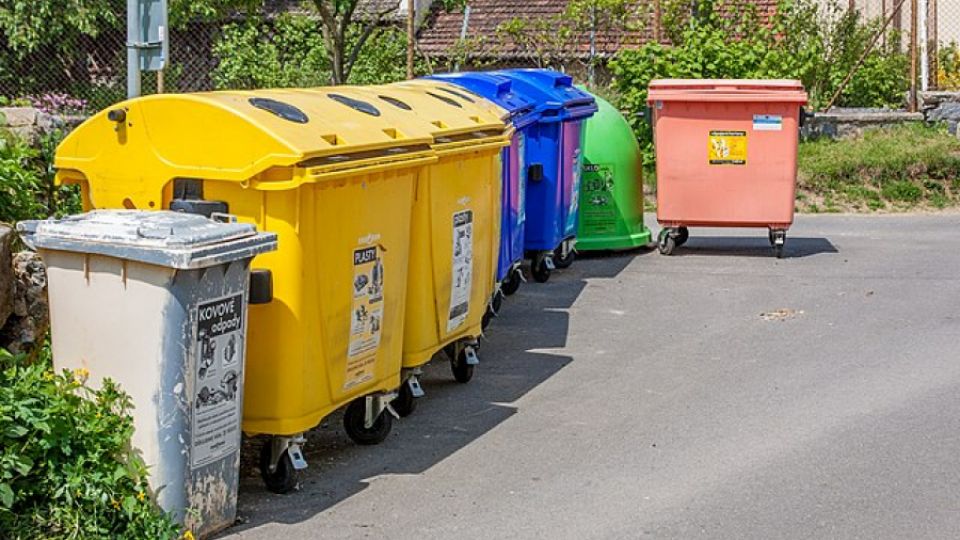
point(81, 373)
point(115, 503)
point(188, 536)
point(141, 496)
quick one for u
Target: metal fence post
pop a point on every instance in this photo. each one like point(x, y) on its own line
point(133, 53)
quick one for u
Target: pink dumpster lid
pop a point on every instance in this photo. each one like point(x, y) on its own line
point(727, 90)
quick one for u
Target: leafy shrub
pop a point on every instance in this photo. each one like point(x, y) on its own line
point(66, 468)
point(289, 51)
point(383, 59)
point(26, 180)
point(948, 70)
point(285, 52)
point(804, 41)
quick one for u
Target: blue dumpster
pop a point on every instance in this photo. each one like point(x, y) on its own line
point(553, 164)
point(522, 114)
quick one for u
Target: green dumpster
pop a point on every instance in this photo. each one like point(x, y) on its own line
point(611, 187)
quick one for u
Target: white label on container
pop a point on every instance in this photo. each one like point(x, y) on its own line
point(767, 122)
point(366, 316)
point(216, 403)
point(461, 280)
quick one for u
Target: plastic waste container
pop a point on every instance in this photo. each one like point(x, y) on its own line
point(553, 165)
point(521, 114)
point(335, 181)
point(455, 235)
point(157, 302)
point(611, 190)
point(726, 155)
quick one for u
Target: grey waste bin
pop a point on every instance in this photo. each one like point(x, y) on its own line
point(157, 302)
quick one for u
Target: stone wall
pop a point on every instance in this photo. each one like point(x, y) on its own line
point(942, 107)
point(30, 123)
point(844, 123)
point(24, 315)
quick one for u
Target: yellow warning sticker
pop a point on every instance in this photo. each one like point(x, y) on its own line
point(727, 148)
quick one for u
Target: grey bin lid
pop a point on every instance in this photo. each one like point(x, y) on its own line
point(170, 239)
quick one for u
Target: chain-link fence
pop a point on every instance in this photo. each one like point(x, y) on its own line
point(82, 73)
point(937, 27)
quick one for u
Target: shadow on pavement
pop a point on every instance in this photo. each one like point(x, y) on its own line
point(744, 246)
point(517, 355)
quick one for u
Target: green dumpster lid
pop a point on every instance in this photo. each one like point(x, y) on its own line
point(170, 239)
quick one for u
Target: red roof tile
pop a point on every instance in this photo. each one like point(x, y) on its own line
point(441, 34)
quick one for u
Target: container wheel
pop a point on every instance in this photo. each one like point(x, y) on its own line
point(405, 403)
point(666, 244)
point(770, 237)
point(511, 283)
point(462, 371)
point(539, 269)
point(778, 240)
point(283, 478)
point(683, 234)
point(497, 302)
point(487, 317)
point(353, 424)
point(563, 262)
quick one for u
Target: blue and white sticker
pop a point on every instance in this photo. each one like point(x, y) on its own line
point(767, 122)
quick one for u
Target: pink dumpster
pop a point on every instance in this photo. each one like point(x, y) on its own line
point(726, 155)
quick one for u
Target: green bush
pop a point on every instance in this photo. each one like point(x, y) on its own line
point(289, 52)
point(801, 42)
point(285, 52)
point(26, 180)
point(66, 467)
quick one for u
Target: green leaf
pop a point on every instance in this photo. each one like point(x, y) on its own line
point(6, 495)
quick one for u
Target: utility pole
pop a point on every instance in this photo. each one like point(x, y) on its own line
point(411, 35)
point(591, 73)
point(913, 55)
point(656, 21)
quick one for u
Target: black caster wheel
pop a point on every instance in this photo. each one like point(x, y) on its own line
point(405, 403)
point(563, 262)
point(539, 269)
point(511, 283)
point(666, 243)
point(497, 302)
point(778, 239)
point(683, 234)
point(487, 317)
point(353, 424)
point(462, 371)
point(283, 478)
point(770, 237)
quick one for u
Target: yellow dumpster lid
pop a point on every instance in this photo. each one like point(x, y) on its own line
point(145, 142)
point(455, 123)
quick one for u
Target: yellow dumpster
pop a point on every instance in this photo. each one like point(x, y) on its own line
point(456, 227)
point(335, 181)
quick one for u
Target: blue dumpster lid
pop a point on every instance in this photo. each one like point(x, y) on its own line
point(554, 90)
point(495, 88)
point(163, 238)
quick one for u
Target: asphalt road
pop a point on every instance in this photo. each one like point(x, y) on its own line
point(718, 393)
